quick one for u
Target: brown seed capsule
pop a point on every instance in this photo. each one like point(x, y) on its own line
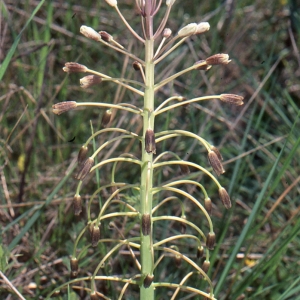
point(148, 280)
point(137, 66)
point(62, 107)
point(225, 198)
point(90, 80)
point(106, 118)
point(208, 205)
point(85, 168)
point(150, 146)
point(200, 252)
point(74, 267)
point(183, 225)
point(232, 99)
point(146, 224)
point(215, 163)
point(77, 205)
point(90, 33)
point(106, 36)
point(95, 235)
point(210, 240)
point(73, 67)
point(82, 154)
point(94, 296)
point(184, 169)
point(218, 59)
point(205, 266)
point(216, 150)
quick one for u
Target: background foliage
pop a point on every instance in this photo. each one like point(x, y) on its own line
point(258, 242)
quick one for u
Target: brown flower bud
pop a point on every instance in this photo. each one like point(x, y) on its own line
point(148, 280)
point(200, 252)
point(62, 107)
point(208, 205)
point(150, 141)
point(167, 32)
point(225, 198)
point(85, 168)
point(137, 66)
point(232, 99)
point(90, 80)
point(205, 266)
point(90, 33)
point(146, 224)
point(216, 150)
point(77, 205)
point(218, 59)
point(210, 240)
point(73, 67)
point(106, 36)
point(94, 296)
point(201, 65)
point(183, 225)
point(215, 163)
point(82, 154)
point(184, 169)
point(106, 118)
point(74, 267)
point(95, 235)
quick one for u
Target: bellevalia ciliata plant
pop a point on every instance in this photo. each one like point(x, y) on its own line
point(158, 43)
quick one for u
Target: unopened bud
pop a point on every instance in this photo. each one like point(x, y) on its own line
point(106, 36)
point(74, 267)
point(200, 252)
point(150, 146)
point(201, 65)
point(205, 266)
point(202, 27)
point(167, 32)
point(183, 225)
point(82, 154)
point(137, 66)
point(225, 198)
point(218, 59)
point(146, 224)
point(216, 150)
point(90, 33)
point(73, 67)
point(112, 3)
point(232, 99)
point(215, 163)
point(90, 80)
point(148, 280)
point(85, 168)
point(210, 240)
point(94, 296)
point(184, 169)
point(106, 118)
point(95, 235)
point(77, 205)
point(62, 107)
point(208, 205)
point(188, 30)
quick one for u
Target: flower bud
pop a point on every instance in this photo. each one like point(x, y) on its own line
point(167, 32)
point(74, 267)
point(77, 205)
point(85, 168)
point(208, 205)
point(146, 224)
point(150, 146)
point(82, 154)
point(62, 107)
point(218, 59)
point(232, 99)
point(188, 30)
point(73, 67)
point(183, 225)
point(200, 252)
point(137, 66)
point(216, 150)
point(201, 65)
point(225, 198)
point(184, 169)
point(202, 27)
point(90, 80)
point(170, 2)
point(112, 3)
point(215, 163)
point(95, 235)
point(148, 280)
point(106, 36)
point(210, 240)
point(106, 118)
point(205, 266)
point(90, 33)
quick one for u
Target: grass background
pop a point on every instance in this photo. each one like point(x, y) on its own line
point(256, 256)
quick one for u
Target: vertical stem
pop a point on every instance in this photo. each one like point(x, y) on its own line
point(147, 255)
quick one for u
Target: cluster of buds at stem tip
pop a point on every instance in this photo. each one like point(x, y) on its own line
point(62, 107)
point(150, 146)
point(215, 163)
